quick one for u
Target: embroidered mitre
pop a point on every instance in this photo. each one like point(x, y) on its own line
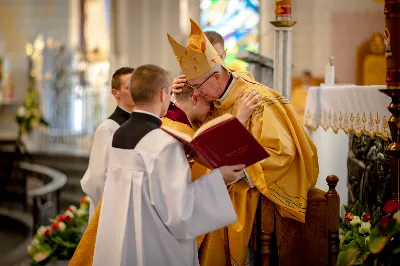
point(199, 56)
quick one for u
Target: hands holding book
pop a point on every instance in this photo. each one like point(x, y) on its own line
point(231, 172)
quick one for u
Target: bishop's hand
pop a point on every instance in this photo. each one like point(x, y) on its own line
point(178, 84)
point(231, 172)
point(247, 104)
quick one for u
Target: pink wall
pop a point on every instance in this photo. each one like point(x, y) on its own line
point(349, 30)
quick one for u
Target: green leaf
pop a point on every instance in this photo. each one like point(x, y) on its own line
point(376, 244)
point(348, 257)
point(357, 209)
point(61, 242)
point(376, 215)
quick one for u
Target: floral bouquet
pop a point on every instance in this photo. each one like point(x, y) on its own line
point(377, 246)
point(29, 115)
point(59, 240)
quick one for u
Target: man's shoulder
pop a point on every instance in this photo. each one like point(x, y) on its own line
point(155, 142)
point(107, 125)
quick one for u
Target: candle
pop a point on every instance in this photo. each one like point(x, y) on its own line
point(283, 10)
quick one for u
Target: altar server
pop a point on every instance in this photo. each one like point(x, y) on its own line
point(151, 211)
point(93, 181)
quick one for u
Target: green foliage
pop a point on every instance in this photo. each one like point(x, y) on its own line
point(59, 240)
point(380, 246)
point(28, 114)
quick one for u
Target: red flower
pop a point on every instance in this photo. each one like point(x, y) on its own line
point(391, 206)
point(366, 217)
point(64, 218)
point(84, 200)
point(55, 226)
point(348, 216)
point(384, 221)
point(47, 233)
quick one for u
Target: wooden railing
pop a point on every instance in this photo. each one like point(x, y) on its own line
point(53, 181)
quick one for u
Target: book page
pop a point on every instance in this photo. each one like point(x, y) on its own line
point(212, 123)
point(177, 134)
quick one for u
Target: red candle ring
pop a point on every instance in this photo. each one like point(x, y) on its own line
point(283, 10)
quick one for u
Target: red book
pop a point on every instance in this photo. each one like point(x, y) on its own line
point(221, 141)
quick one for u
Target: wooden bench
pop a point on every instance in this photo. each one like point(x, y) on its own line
point(286, 242)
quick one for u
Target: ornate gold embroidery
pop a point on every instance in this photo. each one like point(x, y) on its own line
point(349, 122)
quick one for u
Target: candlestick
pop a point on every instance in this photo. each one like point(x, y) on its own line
point(283, 14)
point(392, 53)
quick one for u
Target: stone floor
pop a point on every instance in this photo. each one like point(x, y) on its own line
point(15, 234)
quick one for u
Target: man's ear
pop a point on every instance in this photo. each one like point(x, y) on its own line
point(163, 95)
point(195, 98)
point(217, 75)
point(115, 93)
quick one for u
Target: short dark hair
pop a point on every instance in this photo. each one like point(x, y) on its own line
point(115, 81)
point(214, 37)
point(146, 81)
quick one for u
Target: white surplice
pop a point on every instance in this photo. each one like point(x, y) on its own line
point(151, 210)
point(93, 181)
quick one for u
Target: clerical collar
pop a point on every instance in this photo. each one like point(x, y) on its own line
point(144, 115)
point(119, 115)
point(231, 82)
point(125, 110)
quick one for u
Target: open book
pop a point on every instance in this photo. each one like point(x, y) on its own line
point(221, 141)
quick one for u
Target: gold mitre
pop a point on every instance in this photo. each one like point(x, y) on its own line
point(199, 56)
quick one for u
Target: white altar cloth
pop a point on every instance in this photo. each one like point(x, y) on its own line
point(331, 112)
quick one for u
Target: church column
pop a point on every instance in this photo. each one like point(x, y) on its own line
point(283, 47)
point(139, 34)
point(392, 53)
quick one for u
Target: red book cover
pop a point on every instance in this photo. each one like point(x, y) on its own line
point(222, 141)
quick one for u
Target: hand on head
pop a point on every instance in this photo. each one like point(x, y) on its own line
point(247, 104)
point(178, 83)
point(231, 172)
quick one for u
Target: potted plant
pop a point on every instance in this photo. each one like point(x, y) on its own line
point(30, 118)
point(55, 244)
point(380, 247)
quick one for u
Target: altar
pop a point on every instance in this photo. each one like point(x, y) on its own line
point(348, 125)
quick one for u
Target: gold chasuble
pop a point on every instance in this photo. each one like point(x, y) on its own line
point(285, 177)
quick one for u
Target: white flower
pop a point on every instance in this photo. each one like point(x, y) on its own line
point(61, 226)
point(29, 248)
point(365, 228)
point(35, 242)
point(396, 216)
point(72, 208)
point(69, 213)
point(21, 112)
point(356, 220)
point(41, 231)
point(81, 212)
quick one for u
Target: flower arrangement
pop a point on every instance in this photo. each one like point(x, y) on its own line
point(361, 245)
point(59, 240)
point(28, 115)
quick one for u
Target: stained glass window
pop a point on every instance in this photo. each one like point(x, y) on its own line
point(237, 21)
